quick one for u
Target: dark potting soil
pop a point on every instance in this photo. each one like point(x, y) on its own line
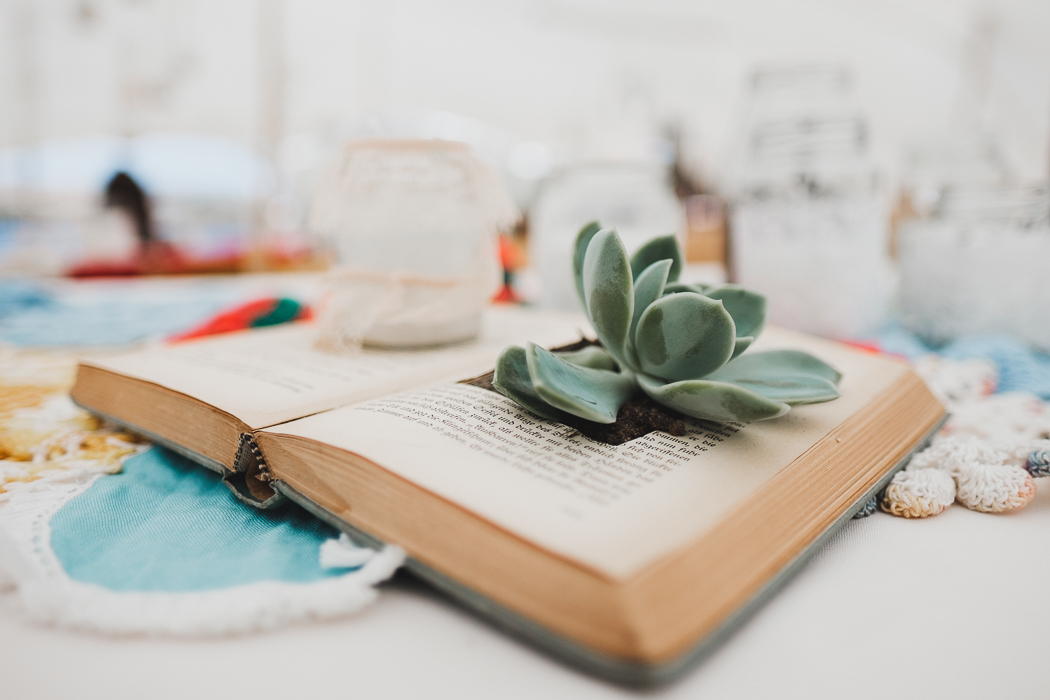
point(639, 416)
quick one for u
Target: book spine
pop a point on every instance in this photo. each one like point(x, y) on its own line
point(250, 480)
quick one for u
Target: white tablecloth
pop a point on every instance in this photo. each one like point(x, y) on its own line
point(955, 606)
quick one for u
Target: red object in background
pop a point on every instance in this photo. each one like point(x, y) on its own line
point(254, 314)
point(505, 295)
point(508, 254)
point(166, 259)
point(508, 260)
point(234, 320)
point(866, 345)
point(156, 257)
point(873, 347)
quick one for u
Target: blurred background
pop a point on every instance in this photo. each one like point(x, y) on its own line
point(864, 162)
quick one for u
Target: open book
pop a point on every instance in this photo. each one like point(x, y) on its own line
point(202, 397)
point(628, 560)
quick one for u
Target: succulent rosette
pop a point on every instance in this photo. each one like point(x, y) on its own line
point(682, 344)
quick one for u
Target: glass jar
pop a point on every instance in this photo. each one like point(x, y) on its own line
point(411, 224)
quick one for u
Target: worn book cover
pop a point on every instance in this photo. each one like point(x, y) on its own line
point(628, 560)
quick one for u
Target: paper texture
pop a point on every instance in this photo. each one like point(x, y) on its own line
point(268, 376)
point(612, 508)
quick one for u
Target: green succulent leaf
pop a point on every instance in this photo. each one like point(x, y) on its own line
point(789, 376)
point(648, 287)
point(609, 293)
point(747, 308)
point(684, 336)
point(591, 394)
point(676, 287)
point(592, 356)
point(662, 248)
point(513, 381)
point(741, 345)
point(583, 239)
point(708, 400)
point(789, 362)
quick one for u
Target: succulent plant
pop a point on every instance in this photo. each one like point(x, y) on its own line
point(681, 344)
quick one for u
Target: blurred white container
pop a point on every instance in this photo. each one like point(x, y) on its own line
point(978, 264)
point(822, 263)
point(951, 159)
point(411, 224)
point(634, 198)
point(810, 223)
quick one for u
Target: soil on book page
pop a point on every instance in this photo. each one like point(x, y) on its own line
point(639, 416)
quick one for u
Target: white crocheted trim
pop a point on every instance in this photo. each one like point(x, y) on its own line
point(343, 553)
point(985, 475)
point(48, 595)
point(919, 493)
point(994, 488)
point(979, 457)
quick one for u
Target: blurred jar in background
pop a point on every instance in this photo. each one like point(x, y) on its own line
point(810, 221)
point(976, 262)
point(411, 225)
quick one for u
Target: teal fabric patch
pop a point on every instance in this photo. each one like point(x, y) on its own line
point(90, 314)
point(168, 524)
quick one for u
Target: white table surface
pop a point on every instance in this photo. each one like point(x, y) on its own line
point(955, 606)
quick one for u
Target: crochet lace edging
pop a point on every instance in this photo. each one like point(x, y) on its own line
point(48, 595)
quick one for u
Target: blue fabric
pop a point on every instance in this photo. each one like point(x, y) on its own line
point(31, 315)
point(168, 524)
point(897, 341)
point(1021, 368)
point(17, 297)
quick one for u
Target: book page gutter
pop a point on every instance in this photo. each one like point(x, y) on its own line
point(612, 508)
point(272, 376)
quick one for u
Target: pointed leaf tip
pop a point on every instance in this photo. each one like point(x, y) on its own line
point(661, 248)
point(741, 345)
point(747, 307)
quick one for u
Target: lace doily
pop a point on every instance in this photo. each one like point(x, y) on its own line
point(53, 452)
point(988, 453)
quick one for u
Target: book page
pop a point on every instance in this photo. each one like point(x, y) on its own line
point(613, 508)
point(270, 376)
